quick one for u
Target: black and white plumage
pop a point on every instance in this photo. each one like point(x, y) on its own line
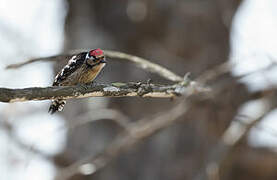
point(80, 69)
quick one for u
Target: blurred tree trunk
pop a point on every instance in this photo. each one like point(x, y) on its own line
point(185, 36)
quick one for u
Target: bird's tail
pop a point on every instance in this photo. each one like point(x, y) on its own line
point(57, 105)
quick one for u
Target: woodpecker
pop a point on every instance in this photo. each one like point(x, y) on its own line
point(81, 68)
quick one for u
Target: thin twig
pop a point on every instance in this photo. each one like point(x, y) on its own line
point(230, 139)
point(140, 62)
point(45, 59)
point(15, 139)
point(215, 72)
point(145, 64)
point(136, 132)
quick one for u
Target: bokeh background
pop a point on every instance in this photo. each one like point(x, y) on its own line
point(182, 35)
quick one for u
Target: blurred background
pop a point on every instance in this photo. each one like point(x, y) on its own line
point(182, 35)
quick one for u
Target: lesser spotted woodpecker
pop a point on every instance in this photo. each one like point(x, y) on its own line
point(80, 69)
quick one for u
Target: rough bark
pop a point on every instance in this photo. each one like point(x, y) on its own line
point(97, 90)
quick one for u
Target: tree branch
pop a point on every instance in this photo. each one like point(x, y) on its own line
point(140, 62)
point(136, 132)
point(233, 135)
point(99, 90)
point(146, 65)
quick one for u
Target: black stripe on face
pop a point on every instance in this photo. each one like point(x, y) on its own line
point(94, 62)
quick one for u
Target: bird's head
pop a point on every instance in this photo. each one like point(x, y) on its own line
point(95, 57)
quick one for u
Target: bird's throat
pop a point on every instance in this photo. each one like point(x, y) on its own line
point(91, 73)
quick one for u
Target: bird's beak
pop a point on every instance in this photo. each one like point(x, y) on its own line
point(103, 61)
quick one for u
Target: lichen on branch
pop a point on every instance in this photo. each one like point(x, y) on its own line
point(99, 90)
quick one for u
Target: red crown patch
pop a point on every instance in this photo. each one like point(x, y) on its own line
point(96, 52)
